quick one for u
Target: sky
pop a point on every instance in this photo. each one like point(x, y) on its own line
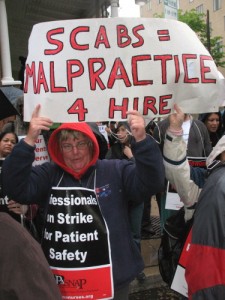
point(128, 8)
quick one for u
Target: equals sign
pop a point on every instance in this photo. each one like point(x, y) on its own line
point(163, 35)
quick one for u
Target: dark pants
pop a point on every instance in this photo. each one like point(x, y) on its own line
point(122, 293)
point(135, 217)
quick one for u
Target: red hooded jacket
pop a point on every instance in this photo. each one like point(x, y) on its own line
point(56, 153)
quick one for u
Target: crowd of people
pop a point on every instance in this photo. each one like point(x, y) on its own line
point(91, 203)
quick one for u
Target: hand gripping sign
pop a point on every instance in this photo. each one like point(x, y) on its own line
point(97, 69)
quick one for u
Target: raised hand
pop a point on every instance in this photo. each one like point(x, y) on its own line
point(137, 125)
point(127, 151)
point(176, 119)
point(37, 124)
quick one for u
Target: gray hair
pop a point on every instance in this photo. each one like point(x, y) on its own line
point(64, 134)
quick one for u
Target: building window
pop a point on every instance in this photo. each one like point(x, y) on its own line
point(219, 46)
point(199, 9)
point(149, 4)
point(216, 4)
point(191, 1)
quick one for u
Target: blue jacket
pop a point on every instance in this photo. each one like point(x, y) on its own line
point(116, 182)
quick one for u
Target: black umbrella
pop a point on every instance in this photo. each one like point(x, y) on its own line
point(6, 107)
point(12, 93)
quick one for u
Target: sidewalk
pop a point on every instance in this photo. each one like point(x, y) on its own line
point(149, 249)
point(153, 287)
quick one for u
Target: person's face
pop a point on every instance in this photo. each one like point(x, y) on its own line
point(212, 122)
point(122, 134)
point(7, 144)
point(76, 152)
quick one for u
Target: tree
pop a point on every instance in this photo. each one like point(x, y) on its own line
point(197, 22)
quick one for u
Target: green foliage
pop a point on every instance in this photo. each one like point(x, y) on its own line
point(197, 22)
point(217, 51)
point(158, 15)
point(194, 20)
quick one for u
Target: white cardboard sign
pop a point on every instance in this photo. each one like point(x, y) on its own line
point(97, 69)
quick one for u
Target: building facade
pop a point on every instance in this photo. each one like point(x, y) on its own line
point(216, 10)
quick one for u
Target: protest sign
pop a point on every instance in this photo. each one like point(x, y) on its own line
point(74, 227)
point(41, 152)
point(221, 90)
point(97, 69)
point(179, 283)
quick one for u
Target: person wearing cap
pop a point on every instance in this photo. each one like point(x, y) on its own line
point(86, 237)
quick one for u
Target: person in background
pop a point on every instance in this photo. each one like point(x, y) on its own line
point(5, 121)
point(76, 173)
point(16, 210)
point(213, 122)
point(187, 180)
point(147, 230)
point(121, 149)
point(20, 212)
point(111, 131)
point(7, 142)
point(24, 270)
point(205, 253)
point(16, 123)
point(103, 145)
point(198, 145)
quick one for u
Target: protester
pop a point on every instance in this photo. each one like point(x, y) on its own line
point(111, 131)
point(24, 214)
point(195, 135)
point(102, 143)
point(187, 180)
point(5, 121)
point(205, 262)
point(121, 149)
point(16, 123)
point(214, 124)
point(198, 145)
point(204, 266)
point(87, 230)
point(147, 230)
point(7, 142)
point(24, 270)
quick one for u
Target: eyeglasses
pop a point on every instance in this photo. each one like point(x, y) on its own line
point(80, 146)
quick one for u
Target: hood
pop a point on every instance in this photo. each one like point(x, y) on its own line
point(125, 124)
point(217, 150)
point(56, 154)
